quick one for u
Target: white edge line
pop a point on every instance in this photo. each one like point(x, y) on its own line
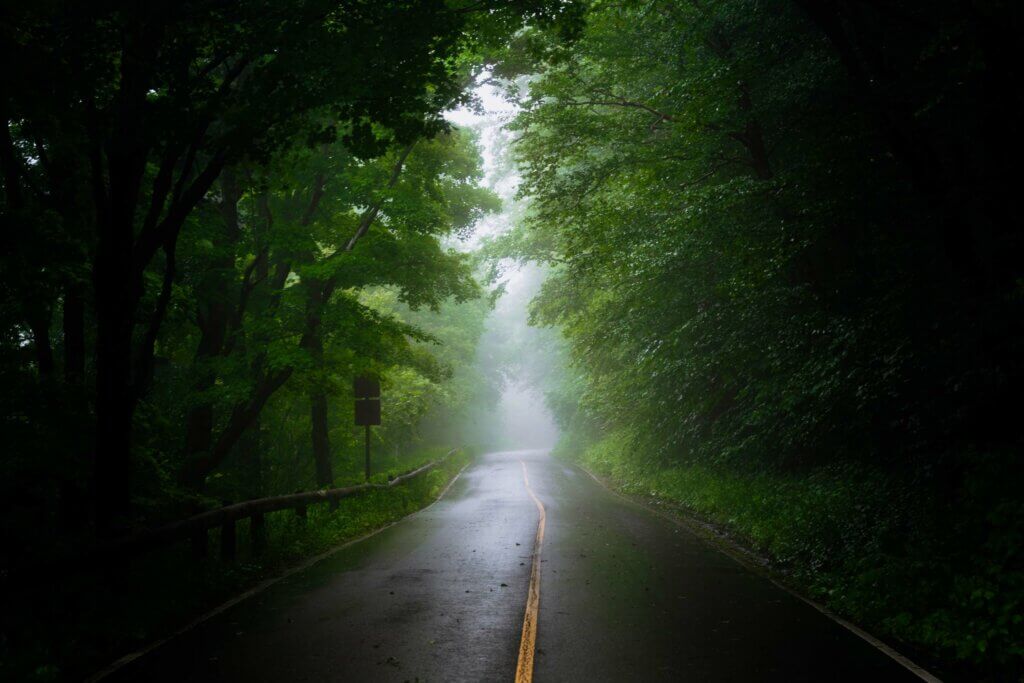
point(259, 588)
point(738, 554)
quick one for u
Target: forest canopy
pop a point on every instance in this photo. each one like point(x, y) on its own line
point(208, 204)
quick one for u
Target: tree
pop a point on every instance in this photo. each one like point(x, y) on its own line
point(134, 112)
point(337, 224)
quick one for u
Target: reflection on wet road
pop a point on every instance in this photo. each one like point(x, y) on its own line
point(441, 596)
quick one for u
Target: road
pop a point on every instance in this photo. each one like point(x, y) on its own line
point(625, 595)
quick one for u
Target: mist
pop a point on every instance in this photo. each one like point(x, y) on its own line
point(521, 358)
point(524, 356)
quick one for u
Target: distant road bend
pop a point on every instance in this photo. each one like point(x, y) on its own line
point(453, 594)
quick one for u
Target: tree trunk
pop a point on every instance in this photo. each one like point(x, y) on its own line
point(114, 405)
point(321, 439)
point(318, 397)
point(199, 420)
point(243, 416)
point(118, 284)
point(199, 423)
point(117, 290)
point(251, 444)
point(213, 321)
point(74, 334)
point(39, 323)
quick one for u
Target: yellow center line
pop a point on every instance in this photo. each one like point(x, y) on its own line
point(528, 642)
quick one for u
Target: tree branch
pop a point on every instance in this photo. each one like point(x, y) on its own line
point(613, 100)
point(149, 242)
point(144, 360)
point(370, 214)
point(161, 186)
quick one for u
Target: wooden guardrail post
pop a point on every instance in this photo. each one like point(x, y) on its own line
point(200, 543)
point(300, 512)
point(228, 541)
point(258, 533)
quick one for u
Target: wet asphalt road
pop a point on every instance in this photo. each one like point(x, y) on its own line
point(625, 596)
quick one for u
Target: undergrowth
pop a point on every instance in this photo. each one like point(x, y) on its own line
point(90, 618)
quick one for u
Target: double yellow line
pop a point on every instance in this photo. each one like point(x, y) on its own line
point(528, 641)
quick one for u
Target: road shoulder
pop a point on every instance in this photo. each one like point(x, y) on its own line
point(718, 537)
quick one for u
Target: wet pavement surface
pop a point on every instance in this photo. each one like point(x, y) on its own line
point(625, 596)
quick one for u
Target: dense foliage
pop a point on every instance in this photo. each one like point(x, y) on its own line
point(211, 210)
point(781, 246)
point(213, 216)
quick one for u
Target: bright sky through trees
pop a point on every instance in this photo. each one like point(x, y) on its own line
point(523, 418)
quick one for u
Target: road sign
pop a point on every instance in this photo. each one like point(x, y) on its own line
point(366, 386)
point(367, 411)
point(367, 394)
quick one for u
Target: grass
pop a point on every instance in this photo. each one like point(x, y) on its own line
point(940, 580)
point(90, 618)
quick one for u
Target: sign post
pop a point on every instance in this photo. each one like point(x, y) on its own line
point(367, 395)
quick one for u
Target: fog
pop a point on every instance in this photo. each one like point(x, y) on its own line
point(519, 356)
point(524, 354)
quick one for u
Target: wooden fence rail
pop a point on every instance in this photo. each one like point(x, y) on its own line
point(197, 526)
